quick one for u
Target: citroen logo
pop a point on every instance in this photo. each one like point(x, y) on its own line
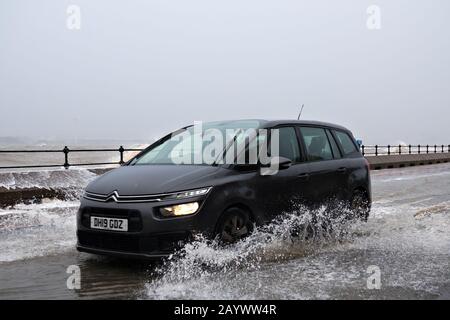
point(113, 196)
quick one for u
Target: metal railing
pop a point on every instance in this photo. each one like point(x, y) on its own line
point(379, 150)
point(366, 150)
point(66, 151)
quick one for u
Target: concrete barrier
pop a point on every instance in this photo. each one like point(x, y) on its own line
point(11, 197)
point(406, 160)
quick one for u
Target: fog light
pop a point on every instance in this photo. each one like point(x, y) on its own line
point(180, 209)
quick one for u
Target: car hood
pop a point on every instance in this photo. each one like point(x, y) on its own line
point(153, 179)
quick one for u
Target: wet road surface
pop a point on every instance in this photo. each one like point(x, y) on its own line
point(407, 238)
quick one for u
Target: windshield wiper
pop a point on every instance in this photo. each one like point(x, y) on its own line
point(231, 143)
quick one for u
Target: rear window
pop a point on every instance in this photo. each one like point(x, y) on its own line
point(346, 142)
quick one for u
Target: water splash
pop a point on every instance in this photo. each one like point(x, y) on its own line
point(49, 179)
point(296, 234)
point(28, 231)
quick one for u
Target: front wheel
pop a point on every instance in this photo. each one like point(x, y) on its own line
point(234, 225)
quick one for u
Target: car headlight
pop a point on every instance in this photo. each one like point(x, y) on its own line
point(190, 193)
point(180, 209)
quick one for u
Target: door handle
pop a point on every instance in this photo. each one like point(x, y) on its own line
point(303, 176)
point(342, 170)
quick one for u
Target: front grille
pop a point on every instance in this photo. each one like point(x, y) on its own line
point(115, 196)
point(163, 243)
point(133, 216)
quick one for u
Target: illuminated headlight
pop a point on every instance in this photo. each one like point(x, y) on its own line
point(180, 209)
point(192, 193)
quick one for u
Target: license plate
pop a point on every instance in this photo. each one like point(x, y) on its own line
point(109, 223)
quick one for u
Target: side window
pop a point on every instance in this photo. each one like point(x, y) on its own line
point(288, 144)
point(316, 143)
point(334, 146)
point(346, 142)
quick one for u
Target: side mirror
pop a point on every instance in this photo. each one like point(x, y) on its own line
point(276, 164)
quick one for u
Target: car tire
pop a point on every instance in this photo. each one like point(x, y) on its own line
point(233, 225)
point(360, 205)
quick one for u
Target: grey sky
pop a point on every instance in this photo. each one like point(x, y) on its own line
point(138, 69)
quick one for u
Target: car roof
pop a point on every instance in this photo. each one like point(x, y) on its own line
point(274, 123)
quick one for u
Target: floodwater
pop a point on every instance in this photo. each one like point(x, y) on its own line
point(406, 242)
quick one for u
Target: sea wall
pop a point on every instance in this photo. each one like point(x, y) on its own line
point(406, 160)
point(33, 186)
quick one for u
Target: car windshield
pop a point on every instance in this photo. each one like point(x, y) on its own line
point(200, 144)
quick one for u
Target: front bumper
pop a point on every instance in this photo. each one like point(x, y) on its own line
point(134, 247)
point(149, 236)
point(120, 254)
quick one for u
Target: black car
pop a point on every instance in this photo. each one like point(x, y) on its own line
point(149, 206)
